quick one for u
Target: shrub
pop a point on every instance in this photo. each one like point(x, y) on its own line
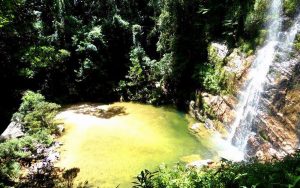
point(19, 151)
point(144, 81)
point(256, 17)
point(144, 180)
point(290, 7)
point(212, 76)
point(36, 114)
point(285, 173)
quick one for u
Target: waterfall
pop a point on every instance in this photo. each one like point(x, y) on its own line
point(249, 99)
point(273, 55)
point(285, 63)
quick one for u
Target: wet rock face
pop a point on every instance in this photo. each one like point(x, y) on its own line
point(222, 107)
point(220, 50)
point(278, 123)
point(238, 63)
point(276, 130)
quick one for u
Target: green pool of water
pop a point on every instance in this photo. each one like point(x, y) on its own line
point(110, 151)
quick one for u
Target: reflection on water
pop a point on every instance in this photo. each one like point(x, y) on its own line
point(111, 151)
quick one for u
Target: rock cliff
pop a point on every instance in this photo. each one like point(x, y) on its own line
point(276, 128)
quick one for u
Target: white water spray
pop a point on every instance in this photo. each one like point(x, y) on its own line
point(277, 44)
point(249, 100)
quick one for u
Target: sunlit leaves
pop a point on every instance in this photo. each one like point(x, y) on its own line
point(86, 41)
point(291, 7)
point(144, 80)
point(36, 114)
point(3, 21)
point(118, 19)
point(41, 58)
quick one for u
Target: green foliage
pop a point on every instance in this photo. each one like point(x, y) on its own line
point(297, 43)
point(88, 39)
point(212, 75)
point(144, 180)
point(167, 23)
point(42, 58)
point(209, 78)
point(261, 37)
point(36, 114)
point(7, 11)
point(85, 50)
point(256, 17)
point(248, 46)
point(3, 21)
point(145, 78)
point(15, 152)
point(213, 57)
point(291, 7)
point(82, 50)
point(285, 173)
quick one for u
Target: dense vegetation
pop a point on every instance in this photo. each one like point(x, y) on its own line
point(151, 51)
point(37, 117)
point(285, 173)
point(24, 161)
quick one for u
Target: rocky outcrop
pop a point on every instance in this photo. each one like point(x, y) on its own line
point(219, 110)
point(216, 107)
point(276, 129)
point(278, 123)
point(14, 130)
point(238, 64)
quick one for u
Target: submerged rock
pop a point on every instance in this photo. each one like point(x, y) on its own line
point(199, 163)
point(191, 158)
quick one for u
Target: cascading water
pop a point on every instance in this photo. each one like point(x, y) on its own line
point(285, 62)
point(274, 55)
point(249, 100)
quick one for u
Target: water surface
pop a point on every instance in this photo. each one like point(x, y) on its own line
point(111, 149)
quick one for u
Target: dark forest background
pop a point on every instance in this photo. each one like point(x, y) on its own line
point(152, 51)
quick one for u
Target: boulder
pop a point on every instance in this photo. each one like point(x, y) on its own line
point(221, 107)
point(238, 63)
point(60, 128)
point(14, 130)
point(195, 127)
point(220, 50)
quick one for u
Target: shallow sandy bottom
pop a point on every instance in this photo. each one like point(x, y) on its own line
point(110, 152)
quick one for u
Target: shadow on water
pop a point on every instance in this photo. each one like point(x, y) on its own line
point(105, 112)
point(128, 138)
